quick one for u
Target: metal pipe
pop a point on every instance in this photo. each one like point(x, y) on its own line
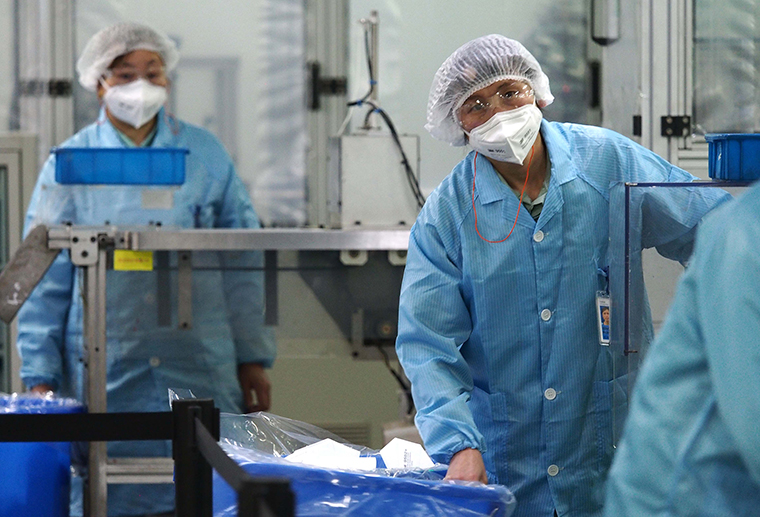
point(374, 38)
point(94, 324)
point(265, 239)
point(383, 239)
point(372, 26)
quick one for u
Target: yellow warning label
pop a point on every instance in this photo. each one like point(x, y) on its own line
point(126, 260)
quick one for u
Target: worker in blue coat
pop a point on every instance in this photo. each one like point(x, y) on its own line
point(498, 329)
point(225, 353)
point(690, 445)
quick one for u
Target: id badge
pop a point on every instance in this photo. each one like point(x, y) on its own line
point(603, 317)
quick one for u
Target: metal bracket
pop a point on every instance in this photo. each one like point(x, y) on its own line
point(354, 257)
point(185, 289)
point(319, 85)
point(357, 330)
point(163, 288)
point(637, 125)
point(270, 288)
point(84, 247)
point(40, 87)
point(397, 257)
point(675, 125)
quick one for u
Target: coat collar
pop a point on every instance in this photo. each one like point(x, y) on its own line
point(563, 167)
point(490, 189)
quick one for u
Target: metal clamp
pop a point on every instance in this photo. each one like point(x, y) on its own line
point(84, 247)
point(354, 257)
point(675, 125)
point(320, 85)
point(397, 257)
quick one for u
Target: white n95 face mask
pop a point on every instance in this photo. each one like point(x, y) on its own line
point(509, 135)
point(134, 103)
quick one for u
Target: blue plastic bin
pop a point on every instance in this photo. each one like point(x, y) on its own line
point(120, 166)
point(327, 492)
point(734, 156)
point(35, 477)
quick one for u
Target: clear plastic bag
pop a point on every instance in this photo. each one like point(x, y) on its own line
point(260, 442)
point(263, 436)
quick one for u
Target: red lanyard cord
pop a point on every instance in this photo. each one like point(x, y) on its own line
point(474, 172)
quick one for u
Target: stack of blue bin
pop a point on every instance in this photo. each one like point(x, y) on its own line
point(120, 166)
point(734, 156)
point(35, 477)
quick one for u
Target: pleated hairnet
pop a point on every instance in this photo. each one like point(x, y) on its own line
point(117, 40)
point(473, 66)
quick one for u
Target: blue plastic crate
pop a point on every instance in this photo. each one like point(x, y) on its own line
point(120, 166)
point(734, 156)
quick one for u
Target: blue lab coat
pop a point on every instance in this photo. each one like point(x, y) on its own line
point(143, 358)
point(690, 445)
point(500, 341)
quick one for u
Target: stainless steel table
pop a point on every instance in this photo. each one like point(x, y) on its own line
point(89, 248)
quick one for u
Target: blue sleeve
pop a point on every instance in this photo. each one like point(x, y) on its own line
point(669, 216)
point(244, 280)
point(42, 319)
point(433, 323)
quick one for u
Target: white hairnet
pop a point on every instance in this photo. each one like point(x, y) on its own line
point(473, 66)
point(117, 40)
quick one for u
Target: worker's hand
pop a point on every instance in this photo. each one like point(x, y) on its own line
point(253, 378)
point(467, 465)
point(41, 388)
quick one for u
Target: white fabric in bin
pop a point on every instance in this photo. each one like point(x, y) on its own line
point(402, 454)
point(330, 454)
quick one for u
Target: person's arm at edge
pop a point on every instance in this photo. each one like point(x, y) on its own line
point(729, 302)
point(42, 319)
point(244, 291)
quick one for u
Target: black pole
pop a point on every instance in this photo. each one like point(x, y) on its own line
point(192, 473)
point(249, 501)
point(266, 497)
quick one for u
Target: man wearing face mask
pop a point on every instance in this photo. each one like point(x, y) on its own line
point(224, 354)
point(498, 328)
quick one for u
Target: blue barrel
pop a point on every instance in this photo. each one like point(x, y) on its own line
point(35, 477)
